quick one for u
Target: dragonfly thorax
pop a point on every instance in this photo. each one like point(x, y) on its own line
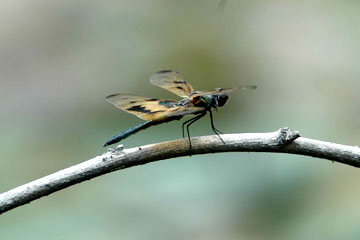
point(210, 100)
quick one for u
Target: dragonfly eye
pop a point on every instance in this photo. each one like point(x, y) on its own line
point(222, 99)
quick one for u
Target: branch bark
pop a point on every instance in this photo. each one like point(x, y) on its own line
point(281, 141)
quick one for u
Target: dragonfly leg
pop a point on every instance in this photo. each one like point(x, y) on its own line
point(213, 127)
point(183, 125)
point(191, 121)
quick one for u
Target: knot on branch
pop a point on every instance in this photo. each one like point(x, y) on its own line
point(286, 136)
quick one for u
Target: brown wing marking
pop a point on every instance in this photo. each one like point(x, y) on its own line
point(151, 109)
point(172, 81)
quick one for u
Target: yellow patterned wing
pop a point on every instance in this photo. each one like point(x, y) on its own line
point(151, 109)
point(172, 81)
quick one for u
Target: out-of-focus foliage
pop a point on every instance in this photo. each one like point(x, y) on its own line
point(59, 59)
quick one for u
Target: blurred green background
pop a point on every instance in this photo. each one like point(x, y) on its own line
point(59, 59)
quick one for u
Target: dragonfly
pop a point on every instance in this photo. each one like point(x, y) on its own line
point(157, 111)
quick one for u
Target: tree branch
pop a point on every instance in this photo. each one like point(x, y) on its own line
point(281, 141)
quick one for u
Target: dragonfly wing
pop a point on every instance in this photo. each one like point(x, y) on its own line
point(222, 90)
point(172, 81)
point(151, 109)
point(245, 87)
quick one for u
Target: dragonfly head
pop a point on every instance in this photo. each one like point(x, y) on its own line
point(221, 99)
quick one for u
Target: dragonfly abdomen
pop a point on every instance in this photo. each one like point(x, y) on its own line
point(127, 133)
